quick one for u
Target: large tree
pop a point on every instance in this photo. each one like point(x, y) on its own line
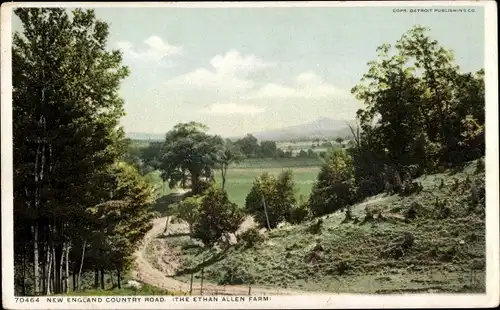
point(421, 112)
point(188, 148)
point(249, 145)
point(66, 135)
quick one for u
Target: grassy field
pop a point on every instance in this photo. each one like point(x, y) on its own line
point(240, 180)
point(294, 162)
point(432, 241)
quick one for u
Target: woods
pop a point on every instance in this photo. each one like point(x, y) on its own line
point(77, 208)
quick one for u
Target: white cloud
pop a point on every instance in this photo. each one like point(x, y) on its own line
point(232, 108)
point(233, 63)
point(156, 49)
point(229, 72)
point(307, 86)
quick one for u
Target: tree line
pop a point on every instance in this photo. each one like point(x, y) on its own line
point(79, 208)
point(421, 115)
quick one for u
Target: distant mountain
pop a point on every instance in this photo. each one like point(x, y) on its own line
point(320, 128)
point(145, 136)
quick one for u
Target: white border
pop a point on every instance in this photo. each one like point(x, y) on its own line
point(490, 299)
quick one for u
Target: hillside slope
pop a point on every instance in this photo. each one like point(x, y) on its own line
point(433, 240)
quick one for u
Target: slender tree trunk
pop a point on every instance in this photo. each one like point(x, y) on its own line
point(44, 266)
point(265, 211)
point(223, 170)
point(81, 264)
point(49, 268)
point(54, 273)
point(35, 258)
point(119, 280)
point(96, 278)
point(102, 278)
point(60, 270)
point(66, 275)
point(74, 278)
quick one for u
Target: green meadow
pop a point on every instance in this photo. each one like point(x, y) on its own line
point(240, 180)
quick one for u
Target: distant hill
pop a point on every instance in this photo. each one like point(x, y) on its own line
point(145, 136)
point(320, 128)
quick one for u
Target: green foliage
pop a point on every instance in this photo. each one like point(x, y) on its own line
point(76, 179)
point(217, 216)
point(300, 212)
point(271, 199)
point(188, 210)
point(268, 149)
point(189, 151)
point(252, 237)
point(420, 110)
point(335, 186)
point(249, 145)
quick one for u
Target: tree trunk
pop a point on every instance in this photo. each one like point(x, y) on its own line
point(102, 278)
point(35, 258)
point(81, 263)
point(66, 275)
point(60, 264)
point(119, 279)
point(223, 171)
point(54, 273)
point(49, 268)
point(44, 268)
point(96, 278)
point(74, 278)
point(195, 182)
point(265, 211)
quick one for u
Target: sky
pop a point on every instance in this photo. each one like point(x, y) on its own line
point(242, 70)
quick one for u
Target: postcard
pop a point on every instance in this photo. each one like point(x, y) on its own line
point(249, 155)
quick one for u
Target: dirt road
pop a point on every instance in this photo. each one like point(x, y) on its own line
point(147, 273)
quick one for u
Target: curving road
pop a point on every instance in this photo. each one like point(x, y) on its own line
point(147, 273)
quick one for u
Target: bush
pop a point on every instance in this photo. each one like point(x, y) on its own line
point(413, 211)
point(278, 195)
point(316, 227)
point(480, 166)
point(217, 216)
point(252, 237)
point(299, 213)
point(335, 187)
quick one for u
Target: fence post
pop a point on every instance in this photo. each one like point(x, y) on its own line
point(201, 284)
point(249, 289)
point(191, 285)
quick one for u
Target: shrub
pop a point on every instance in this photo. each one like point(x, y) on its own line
point(276, 196)
point(217, 216)
point(299, 213)
point(480, 166)
point(187, 210)
point(335, 186)
point(413, 211)
point(316, 227)
point(252, 237)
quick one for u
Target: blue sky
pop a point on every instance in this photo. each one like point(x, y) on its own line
point(241, 70)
